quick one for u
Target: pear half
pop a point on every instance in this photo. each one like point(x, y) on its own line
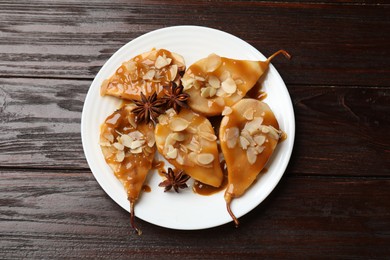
point(146, 73)
point(187, 140)
point(129, 150)
point(215, 82)
point(248, 135)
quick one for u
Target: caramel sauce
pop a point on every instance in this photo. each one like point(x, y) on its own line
point(159, 166)
point(146, 188)
point(207, 190)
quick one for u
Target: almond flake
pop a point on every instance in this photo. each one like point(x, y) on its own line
point(227, 111)
point(199, 78)
point(229, 86)
point(126, 140)
point(137, 143)
point(118, 146)
point(251, 155)
point(149, 75)
point(248, 114)
point(178, 124)
point(172, 154)
point(135, 135)
point(244, 142)
point(120, 156)
point(231, 136)
point(213, 62)
point(225, 75)
point(248, 136)
point(208, 136)
point(173, 72)
point(132, 121)
point(205, 92)
point(259, 139)
point(137, 150)
point(109, 137)
point(180, 159)
point(214, 82)
point(161, 62)
point(259, 149)
point(205, 158)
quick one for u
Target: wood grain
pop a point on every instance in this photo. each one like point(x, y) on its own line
point(333, 200)
point(339, 217)
point(331, 43)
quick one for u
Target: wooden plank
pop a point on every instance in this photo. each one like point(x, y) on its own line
point(55, 214)
point(339, 130)
point(332, 43)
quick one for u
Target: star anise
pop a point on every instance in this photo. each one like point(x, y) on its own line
point(148, 108)
point(174, 180)
point(174, 96)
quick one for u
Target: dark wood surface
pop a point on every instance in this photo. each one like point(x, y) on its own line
point(334, 198)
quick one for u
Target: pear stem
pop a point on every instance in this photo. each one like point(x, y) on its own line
point(285, 53)
point(228, 199)
point(132, 217)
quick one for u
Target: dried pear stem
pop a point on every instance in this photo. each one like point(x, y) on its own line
point(228, 199)
point(132, 217)
point(285, 53)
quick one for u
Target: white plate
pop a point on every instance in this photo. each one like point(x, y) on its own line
point(186, 210)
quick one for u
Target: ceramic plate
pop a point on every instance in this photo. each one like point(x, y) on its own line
point(187, 210)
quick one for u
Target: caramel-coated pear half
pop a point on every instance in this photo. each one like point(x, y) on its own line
point(215, 82)
point(248, 135)
point(146, 73)
point(129, 150)
point(187, 140)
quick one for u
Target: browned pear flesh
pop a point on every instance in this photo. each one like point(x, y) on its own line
point(187, 140)
point(248, 135)
point(147, 73)
point(129, 150)
point(215, 82)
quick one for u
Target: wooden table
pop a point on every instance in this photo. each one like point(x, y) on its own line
point(334, 198)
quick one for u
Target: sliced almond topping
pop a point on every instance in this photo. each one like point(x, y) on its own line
point(105, 143)
point(178, 124)
point(225, 75)
point(163, 119)
point(199, 78)
point(109, 137)
point(220, 101)
point(149, 75)
point(213, 62)
point(192, 157)
point(173, 72)
point(208, 136)
point(220, 92)
point(132, 121)
point(170, 112)
point(126, 140)
point(130, 65)
point(254, 126)
point(187, 83)
point(231, 136)
point(137, 150)
point(259, 139)
point(161, 62)
point(259, 149)
point(244, 142)
point(183, 148)
point(191, 130)
point(170, 140)
point(205, 92)
point(137, 143)
point(151, 140)
point(118, 146)
point(214, 81)
point(248, 114)
point(274, 133)
point(120, 156)
point(180, 159)
point(265, 129)
point(205, 158)
point(135, 135)
point(251, 155)
point(194, 145)
point(227, 111)
point(178, 137)
point(172, 154)
point(229, 86)
point(248, 136)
